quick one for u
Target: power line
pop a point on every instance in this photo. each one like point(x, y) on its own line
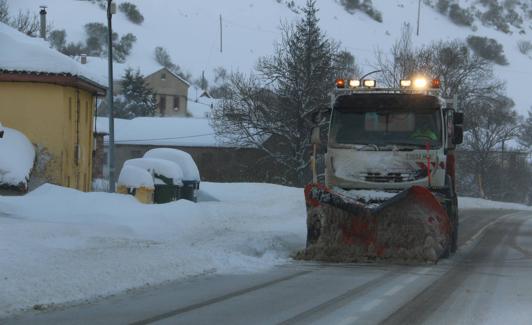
point(171, 138)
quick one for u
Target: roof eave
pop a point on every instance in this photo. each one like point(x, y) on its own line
point(54, 78)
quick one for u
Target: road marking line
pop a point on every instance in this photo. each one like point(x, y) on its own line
point(483, 229)
point(370, 305)
point(393, 290)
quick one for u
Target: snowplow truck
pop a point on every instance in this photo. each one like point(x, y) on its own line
point(389, 190)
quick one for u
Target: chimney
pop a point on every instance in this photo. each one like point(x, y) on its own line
point(43, 22)
point(84, 59)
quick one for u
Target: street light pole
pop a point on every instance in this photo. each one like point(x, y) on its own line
point(111, 9)
point(369, 73)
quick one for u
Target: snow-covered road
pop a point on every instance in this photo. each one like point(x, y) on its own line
point(487, 282)
point(63, 247)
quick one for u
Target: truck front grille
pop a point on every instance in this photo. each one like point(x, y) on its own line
point(387, 178)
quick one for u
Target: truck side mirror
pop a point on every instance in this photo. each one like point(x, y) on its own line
point(318, 115)
point(458, 137)
point(315, 137)
point(458, 118)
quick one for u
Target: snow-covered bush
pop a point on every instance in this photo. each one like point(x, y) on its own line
point(57, 39)
point(487, 48)
point(443, 6)
point(96, 42)
point(132, 12)
point(101, 3)
point(460, 16)
point(524, 46)
point(163, 58)
point(4, 11)
point(365, 6)
point(494, 17)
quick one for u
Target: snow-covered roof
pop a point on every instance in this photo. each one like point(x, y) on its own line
point(170, 72)
point(163, 131)
point(183, 159)
point(16, 158)
point(23, 54)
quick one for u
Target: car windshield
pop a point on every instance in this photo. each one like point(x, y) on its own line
point(385, 127)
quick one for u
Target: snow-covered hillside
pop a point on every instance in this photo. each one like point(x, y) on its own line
point(189, 30)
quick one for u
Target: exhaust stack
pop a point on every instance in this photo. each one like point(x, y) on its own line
point(43, 13)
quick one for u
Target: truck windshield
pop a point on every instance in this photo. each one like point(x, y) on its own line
point(382, 128)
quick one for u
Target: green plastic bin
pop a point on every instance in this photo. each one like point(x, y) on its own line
point(167, 192)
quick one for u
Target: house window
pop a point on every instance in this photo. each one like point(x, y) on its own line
point(162, 105)
point(163, 76)
point(176, 103)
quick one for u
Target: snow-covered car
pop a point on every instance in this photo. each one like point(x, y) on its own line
point(191, 175)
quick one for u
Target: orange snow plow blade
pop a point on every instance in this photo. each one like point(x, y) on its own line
point(410, 226)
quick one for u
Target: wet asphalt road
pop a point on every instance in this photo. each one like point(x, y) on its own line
point(489, 281)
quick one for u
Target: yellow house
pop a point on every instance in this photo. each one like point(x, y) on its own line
point(50, 98)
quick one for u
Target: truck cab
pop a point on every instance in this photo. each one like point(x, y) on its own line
point(391, 139)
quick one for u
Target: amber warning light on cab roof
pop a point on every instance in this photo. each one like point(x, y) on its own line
point(420, 83)
point(355, 83)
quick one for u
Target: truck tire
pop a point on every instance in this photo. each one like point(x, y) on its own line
point(452, 211)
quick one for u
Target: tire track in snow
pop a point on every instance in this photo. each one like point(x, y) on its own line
point(218, 299)
point(342, 300)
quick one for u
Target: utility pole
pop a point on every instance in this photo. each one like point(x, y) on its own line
point(418, 16)
point(111, 9)
point(221, 35)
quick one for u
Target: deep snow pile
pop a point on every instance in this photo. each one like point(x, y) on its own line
point(59, 245)
point(476, 203)
point(16, 158)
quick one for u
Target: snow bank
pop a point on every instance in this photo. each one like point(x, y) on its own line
point(16, 158)
point(476, 203)
point(135, 177)
point(59, 245)
point(183, 159)
point(22, 53)
point(156, 166)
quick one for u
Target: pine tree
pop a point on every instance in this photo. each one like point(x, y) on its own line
point(137, 98)
point(293, 84)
